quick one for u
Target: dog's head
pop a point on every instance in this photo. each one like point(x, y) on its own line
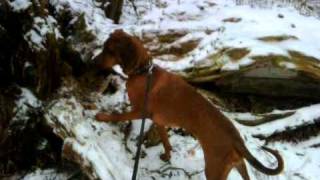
point(125, 50)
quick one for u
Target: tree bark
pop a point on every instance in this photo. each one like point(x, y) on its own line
point(114, 10)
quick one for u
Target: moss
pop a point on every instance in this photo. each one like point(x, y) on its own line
point(277, 38)
point(307, 64)
point(300, 57)
point(216, 57)
point(237, 53)
point(183, 49)
point(274, 59)
point(170, 37)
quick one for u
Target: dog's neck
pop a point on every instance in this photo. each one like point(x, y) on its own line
point(143, 70)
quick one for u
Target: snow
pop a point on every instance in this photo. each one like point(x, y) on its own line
point(39, 174)
point(195, 17)
point(95, 19)
point(119, 101)
point(20, 5)
point(254, 23)
point(42, 27)
point(101, 144)
point(26, 101)
point(91, 139)
point(302, 116)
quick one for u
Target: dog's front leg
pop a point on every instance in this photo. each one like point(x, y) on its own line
point(166, 144)
point(118, 117)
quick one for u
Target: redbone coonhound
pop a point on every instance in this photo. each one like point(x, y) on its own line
point(175, 103)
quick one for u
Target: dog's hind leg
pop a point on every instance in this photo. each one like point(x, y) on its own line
point(165, 140)
point(242, 169)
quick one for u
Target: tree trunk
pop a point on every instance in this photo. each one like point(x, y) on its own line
point(114, 10)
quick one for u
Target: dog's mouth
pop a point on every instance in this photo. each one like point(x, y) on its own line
point(104, 62)
point(116, 69)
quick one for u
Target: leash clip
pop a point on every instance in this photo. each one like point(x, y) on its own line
point(151, 66)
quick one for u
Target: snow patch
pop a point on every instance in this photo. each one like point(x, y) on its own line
point(42, 27)
point(26, 101)
point(20, 5)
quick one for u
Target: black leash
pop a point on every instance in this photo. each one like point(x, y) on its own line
point(143, 115)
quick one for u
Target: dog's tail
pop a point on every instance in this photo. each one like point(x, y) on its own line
point(258, 165)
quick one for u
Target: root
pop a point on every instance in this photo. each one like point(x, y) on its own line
point(265, 119)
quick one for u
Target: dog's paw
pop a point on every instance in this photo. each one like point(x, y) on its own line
point(165, 157)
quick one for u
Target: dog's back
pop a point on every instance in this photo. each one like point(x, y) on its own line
point(175, 103)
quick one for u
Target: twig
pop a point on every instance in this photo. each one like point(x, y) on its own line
point(135, 8)
point(170, 168)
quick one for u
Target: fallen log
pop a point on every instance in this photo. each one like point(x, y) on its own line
point(87, 142)
point(267, 118)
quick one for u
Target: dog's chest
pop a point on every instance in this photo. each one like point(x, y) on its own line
point(136, 88)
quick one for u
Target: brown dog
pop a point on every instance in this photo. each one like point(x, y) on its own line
point(174, 103)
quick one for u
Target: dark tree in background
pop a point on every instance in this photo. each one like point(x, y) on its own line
point(112, 9)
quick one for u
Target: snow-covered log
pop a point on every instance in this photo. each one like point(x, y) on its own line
point(93, 146)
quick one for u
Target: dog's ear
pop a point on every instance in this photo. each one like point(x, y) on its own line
point(115, 40)
point(133, 54)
